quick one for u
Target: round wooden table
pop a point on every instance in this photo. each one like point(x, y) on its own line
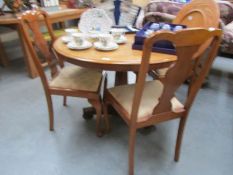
point(121, 60)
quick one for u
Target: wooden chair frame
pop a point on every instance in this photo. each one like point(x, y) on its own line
point(30, 20)
point(197, 13)
point(187, 44)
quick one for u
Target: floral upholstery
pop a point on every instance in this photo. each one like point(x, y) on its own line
point(161, 11)
point(150, 98)
point(77, 78)
point(166, 12)
point(226, 11)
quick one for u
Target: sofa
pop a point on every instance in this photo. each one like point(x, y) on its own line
point(167, 11)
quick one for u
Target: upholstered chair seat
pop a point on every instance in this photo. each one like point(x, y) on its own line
point(77, 78)
point(150, 99)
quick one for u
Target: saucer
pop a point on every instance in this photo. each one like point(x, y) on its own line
point(111, 46)
point(121, 40)
point(72, 45)
point(66, 39)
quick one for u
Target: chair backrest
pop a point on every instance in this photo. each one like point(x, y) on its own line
point(31, 22)
point(188, 64)
point(199, 13)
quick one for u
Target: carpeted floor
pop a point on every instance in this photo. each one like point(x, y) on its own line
point(27, 147)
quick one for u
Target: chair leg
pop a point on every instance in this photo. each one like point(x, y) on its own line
point(106, 118)
point(132, 138)
point(51, 114)
point(179, 138)
point(4, 60)
point(64, 101)
point(98, 107)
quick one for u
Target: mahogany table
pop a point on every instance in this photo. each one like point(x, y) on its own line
point(12, 21)
point(121, 60)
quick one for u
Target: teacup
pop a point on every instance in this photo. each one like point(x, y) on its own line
point(155, 26)
point(166, 27)
point(117, 33)
point(105, 39)
point(177, 28)
point(93, 36)
point(70, 31)
point(79, 38)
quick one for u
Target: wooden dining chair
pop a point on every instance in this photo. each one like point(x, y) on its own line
point(197, 13)
point(150, 102)
point(65, 81)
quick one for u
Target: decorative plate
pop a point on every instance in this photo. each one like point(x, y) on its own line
point(95, 21)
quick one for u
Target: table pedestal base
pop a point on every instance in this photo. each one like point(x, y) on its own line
point(121, 78)
point(89, 112)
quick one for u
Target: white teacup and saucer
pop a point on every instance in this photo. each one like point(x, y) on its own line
point(105, 43)
point(68, 37)
point(119, 35)
point(79, 42)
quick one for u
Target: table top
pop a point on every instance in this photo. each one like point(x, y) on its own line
point(122, 59)
point(58, 15)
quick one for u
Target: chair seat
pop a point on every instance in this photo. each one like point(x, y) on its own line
point(150, 98)
point(77, 78)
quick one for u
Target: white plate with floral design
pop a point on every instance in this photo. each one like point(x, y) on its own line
point(95, 20)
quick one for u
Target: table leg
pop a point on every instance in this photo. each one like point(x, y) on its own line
point(4, 60)
point(32, 72)
point(121, 78)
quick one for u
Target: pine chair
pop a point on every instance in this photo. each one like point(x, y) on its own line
point(66, 81)
point(150, 102)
